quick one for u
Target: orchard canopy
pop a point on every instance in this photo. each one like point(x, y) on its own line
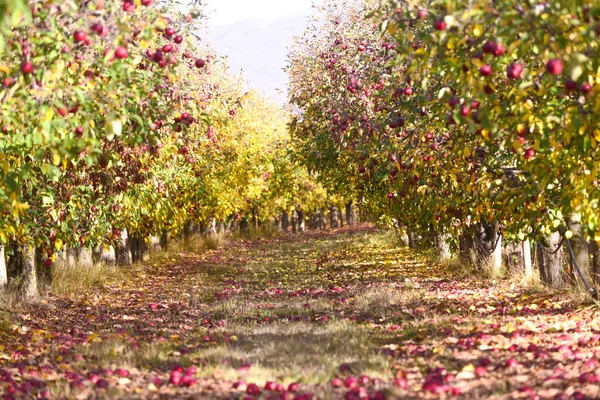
point(452, 115)
point(378, 235)
point(115, 118)
point(454, 121)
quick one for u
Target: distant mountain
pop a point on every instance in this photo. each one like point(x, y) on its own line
point(260, 48)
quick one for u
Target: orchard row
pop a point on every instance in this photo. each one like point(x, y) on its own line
point(117, 121)
point(457, 118)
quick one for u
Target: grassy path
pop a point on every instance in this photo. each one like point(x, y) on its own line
point(345, 315)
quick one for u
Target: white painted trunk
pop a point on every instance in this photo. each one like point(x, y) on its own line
point(3, 270)
point(30, 290)
point(527, 259)
point(496, 260)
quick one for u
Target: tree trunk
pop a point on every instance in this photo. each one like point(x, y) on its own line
point(294, 222)
point(164, 240)
point(318, 219)
point(84, 257)
point(411, 238)
point(549, 264)
point(580, 250)
point(349, 213)
point(513, 257)
point(123, 250)
point(255, 219)
point(29, 289)
point(285, 221)
point(595, 251)
point(135, 248)
point(527, 265)
point(154, 244)
point(488, 246)
point(496, 260)
point(333, 217)
point(442, 241)
point(71, 256)
point(467, 249)
point(187, 232)
point(108, 255)
point(244, 227)
point(3, 270)
point(301, 224)
point(340, 216)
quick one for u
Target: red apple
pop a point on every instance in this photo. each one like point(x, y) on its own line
point(485, 70)
point(200, 63)
point(178, 39)
point(514, 71)
point(585, 88)
point(169, 32)
point(79, 36)
point(253, 389)
point(26, 67)
point(121, 52)
point(570, 85)
point(440, 25)
point(554, 66)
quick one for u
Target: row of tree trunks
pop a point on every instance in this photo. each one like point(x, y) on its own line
point(296, 221)
point(25, 261)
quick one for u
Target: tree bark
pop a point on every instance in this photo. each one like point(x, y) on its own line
point(29, 289)
point(244, 227)
point(513, 257)
point(255, 219)
point(349, 213)
point(285, 221)
point(108, 255)
point(84, 257)
point(340, 216)
point(467, 248)
point(164, 240)
point(488, 246)
point(333, 217)
point(187, 232)
point(123, 250)
point(154, 244)
point(442, 241)
point(595, 251)
point(549, 264)
point(411, 238)
point(3, 269)
point(301, 224)
point(294, 222)
point(580, 249)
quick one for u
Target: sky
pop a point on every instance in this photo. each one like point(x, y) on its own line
point(225, 12)
point(255, 35)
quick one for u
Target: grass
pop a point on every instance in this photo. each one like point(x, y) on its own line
point(288, 310)
point(70, 280)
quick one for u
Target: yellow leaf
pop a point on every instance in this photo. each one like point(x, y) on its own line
point(49, 114)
